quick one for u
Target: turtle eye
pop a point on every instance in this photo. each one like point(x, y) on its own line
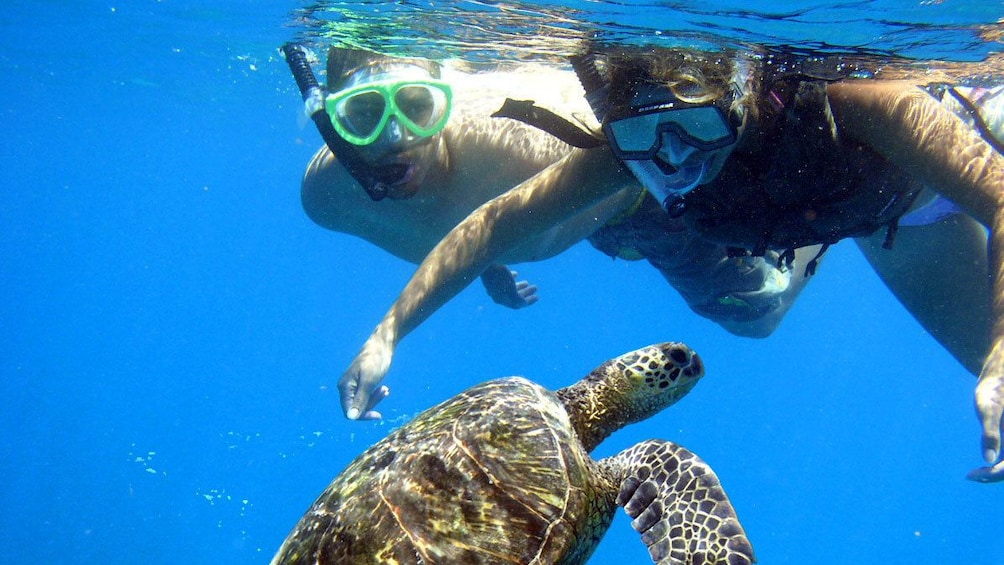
point(679, 356)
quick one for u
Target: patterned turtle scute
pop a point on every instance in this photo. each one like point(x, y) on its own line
point(501, 474)
point(472, 466)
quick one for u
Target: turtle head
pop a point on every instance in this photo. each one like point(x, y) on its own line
point(629, 389)
point(652, 378)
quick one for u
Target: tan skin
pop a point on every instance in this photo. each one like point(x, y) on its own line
point(445, 185)
point(494, 230)
point(895, 118)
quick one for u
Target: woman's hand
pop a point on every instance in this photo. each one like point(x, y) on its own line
point(989, 409)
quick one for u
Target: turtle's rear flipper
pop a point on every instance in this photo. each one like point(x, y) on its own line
point(679, 507)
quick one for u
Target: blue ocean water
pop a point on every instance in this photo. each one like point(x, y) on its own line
point(173, 325)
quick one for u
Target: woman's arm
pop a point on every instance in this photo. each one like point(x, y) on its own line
point(549, 198)
point(911, 129)
point(914, 131)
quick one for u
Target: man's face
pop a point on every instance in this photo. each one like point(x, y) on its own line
point(394, 114)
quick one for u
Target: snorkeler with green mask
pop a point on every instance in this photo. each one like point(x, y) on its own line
point(399, 180)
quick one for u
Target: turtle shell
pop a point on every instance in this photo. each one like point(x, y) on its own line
point(492, 475)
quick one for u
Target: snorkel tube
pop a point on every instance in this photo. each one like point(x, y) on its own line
point(313, 98)
point(596, 88)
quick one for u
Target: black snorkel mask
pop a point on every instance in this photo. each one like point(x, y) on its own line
point(376, 183)
point(636, 131)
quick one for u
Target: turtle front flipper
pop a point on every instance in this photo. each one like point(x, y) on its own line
point(678, 505)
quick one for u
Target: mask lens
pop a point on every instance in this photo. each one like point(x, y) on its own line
point(635, 134)
point(362, 112)
point(640, 136)
point(705, 124)
point(421, 104)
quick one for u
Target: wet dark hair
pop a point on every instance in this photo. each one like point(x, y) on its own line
point(692, 75)
point(344, 61)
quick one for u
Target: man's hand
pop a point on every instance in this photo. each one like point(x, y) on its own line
point(504, 289)
point(359, 386)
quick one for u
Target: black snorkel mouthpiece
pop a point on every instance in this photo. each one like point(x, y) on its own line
point(348, 156)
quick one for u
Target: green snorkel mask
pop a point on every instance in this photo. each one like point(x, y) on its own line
point(361, 111)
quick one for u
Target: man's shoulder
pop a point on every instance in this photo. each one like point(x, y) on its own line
point(526, 149)
point(481, 93)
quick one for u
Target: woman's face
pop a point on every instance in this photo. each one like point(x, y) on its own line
point(676, 153)
point(685, 144)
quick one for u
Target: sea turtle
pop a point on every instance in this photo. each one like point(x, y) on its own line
point(501, 473)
